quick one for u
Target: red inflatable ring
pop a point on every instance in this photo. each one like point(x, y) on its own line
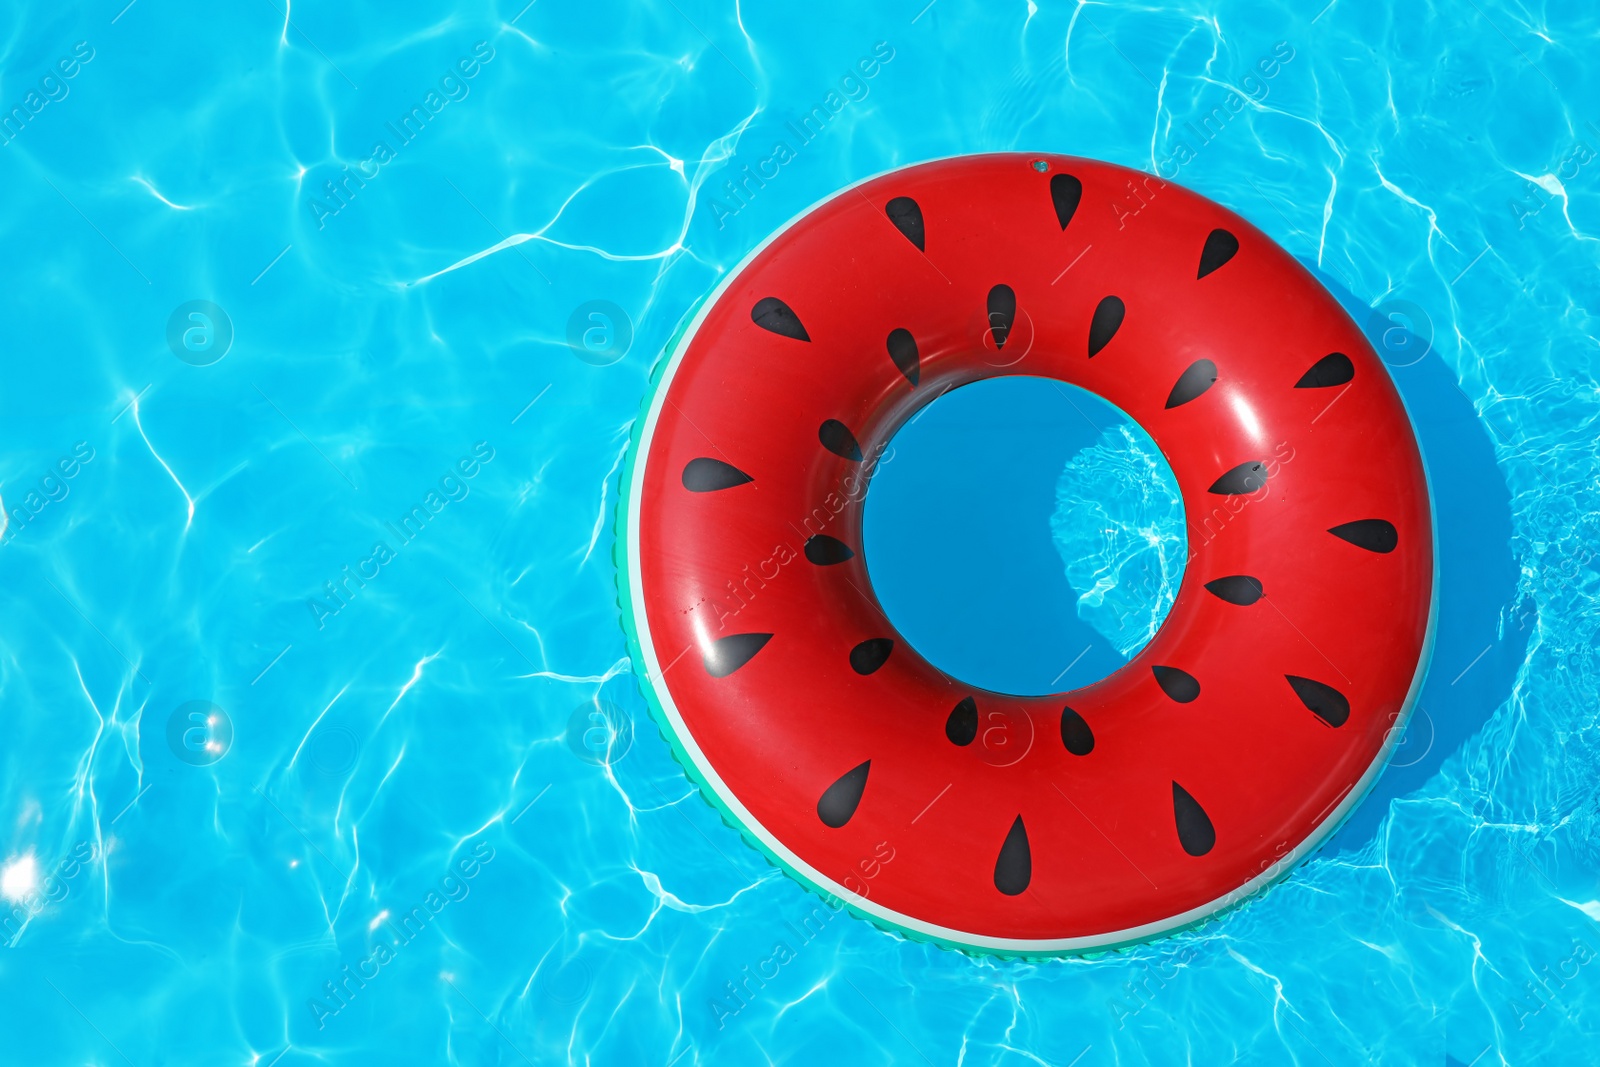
point(1199, 772)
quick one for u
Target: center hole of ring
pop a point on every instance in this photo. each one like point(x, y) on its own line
point(1024, 536)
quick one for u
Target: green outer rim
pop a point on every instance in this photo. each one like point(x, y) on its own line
point(619, 555)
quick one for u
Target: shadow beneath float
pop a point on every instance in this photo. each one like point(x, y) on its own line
point(1481, 632)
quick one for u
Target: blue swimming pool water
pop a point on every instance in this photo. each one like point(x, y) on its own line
point(1118, 526)
point(1046, 579)
point(311, 657)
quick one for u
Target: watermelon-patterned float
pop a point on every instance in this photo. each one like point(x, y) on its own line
point(1199, 772)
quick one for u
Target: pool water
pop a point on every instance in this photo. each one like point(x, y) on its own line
point(1118, 526)
point(326, 328)
point(1024, 535)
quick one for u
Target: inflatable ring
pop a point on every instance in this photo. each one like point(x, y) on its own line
point(1199, 772)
